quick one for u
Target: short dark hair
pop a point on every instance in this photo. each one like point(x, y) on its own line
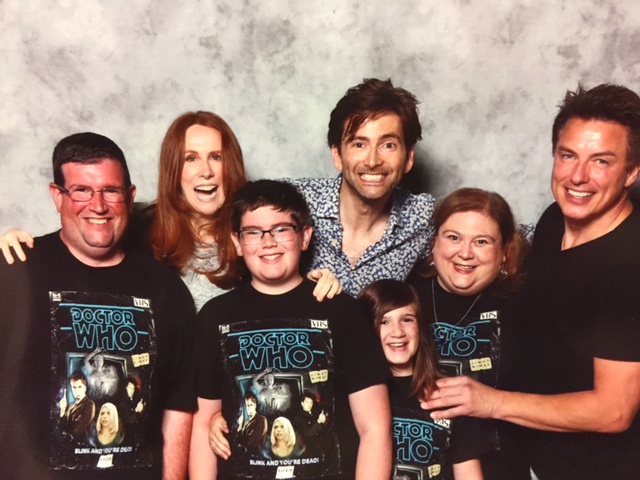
point(77, 375)
point(279, 195)
point(608, 103)
point(369, 100)
point(249, 395)
point(87, 148)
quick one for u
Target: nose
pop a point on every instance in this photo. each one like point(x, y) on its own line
point(466, 250)
point(207, 169)
point(580, 173)
point(268, 240)
point(97, 203)
point(373, 159)
point(397, 330)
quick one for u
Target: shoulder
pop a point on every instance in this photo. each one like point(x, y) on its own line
point(312, 188)
point(408, 203)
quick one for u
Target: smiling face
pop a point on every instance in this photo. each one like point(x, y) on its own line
point(202, 171)
point(92, 230)
point(400, 338)
point(375, 160)
point(274, 265)
point(468, 253)
point(591, 178)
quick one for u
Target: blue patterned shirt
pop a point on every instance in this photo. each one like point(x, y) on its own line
point(407, 236)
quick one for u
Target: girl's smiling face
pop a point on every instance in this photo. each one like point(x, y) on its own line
point(400, 338)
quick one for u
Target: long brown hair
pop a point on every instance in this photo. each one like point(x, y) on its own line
point(496, 208)
point(172, 234)
point(382, 296)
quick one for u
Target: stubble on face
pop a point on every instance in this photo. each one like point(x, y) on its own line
point(374, 161)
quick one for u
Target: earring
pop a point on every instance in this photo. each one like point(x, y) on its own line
point(432, 264)
point(503, 272)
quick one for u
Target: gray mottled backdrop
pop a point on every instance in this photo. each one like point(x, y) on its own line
point(489, 74)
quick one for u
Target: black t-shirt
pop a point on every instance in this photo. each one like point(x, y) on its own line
point(479, 336)
point(60, 317)
point(426, 448)
point(280, 347)
point(582, 303)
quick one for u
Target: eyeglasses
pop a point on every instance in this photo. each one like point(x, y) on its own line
point(82, 193)
point(281, 233)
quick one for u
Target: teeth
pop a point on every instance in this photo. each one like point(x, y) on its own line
point(97, 221)
point(271, 257)
point(208, 189)
point(464, 267)
point(371, 177)
point(574, 193)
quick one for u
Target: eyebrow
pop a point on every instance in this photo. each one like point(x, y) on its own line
point(275, 225)
point(386, 136)
point(483, 235)
point(605, 153)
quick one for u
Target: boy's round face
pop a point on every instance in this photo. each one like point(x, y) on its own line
point(274, 265)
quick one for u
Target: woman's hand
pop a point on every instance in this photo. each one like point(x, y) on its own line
point(12, 239)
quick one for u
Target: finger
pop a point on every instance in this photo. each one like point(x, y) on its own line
point(17, 248)
point(7, 253)
point(321, 290)
point(448, 413)
point(26, 239)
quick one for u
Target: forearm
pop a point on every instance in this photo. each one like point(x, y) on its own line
point(202, 461)
point(469, 470)
point(374, 456)
point(372, 418)
point(568, 412)
point(176, 430)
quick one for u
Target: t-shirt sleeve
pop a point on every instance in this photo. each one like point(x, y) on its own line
point(209, 365)
point(180, 368)
point(365, 362)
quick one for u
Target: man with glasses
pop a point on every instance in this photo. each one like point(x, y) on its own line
point(80, 293)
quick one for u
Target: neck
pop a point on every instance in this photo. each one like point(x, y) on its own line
point(578, 232)
point(104, 257)
point(357, 213)
point(277, 288)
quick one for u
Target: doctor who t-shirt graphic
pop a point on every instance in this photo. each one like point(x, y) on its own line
point(281, 374)
point(102, 362)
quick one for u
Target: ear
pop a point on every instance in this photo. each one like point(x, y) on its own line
point(632, 176)
point(132, 196)
point(56, 195)
point(307, 233)
point(236, 242)
point(337, 159)
point(408, 164)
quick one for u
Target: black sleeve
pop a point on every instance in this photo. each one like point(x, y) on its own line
point(208, 353)
point(365, 364)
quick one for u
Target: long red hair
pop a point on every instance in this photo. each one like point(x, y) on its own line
point(172, 234)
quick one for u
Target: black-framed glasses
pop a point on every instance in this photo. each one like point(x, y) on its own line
point(82, 193)
point(281, 233)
